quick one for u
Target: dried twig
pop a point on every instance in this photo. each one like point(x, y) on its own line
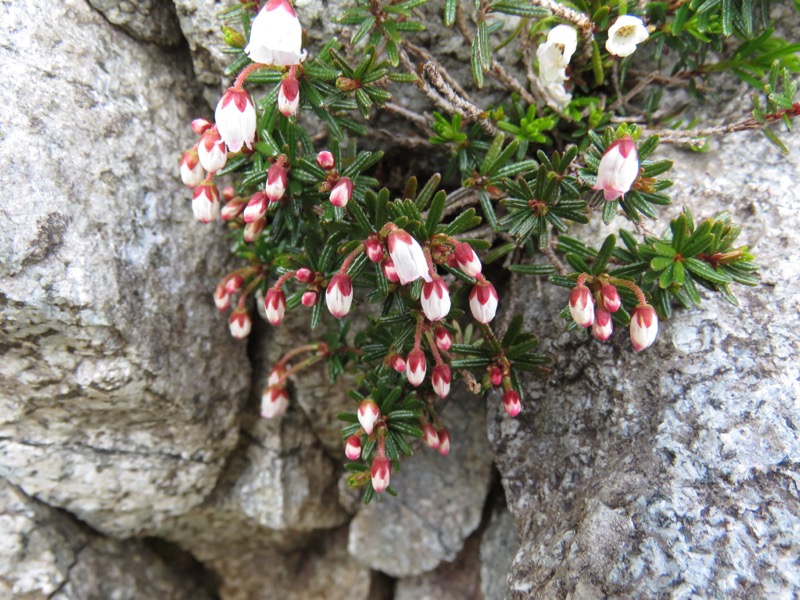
point(472, 112)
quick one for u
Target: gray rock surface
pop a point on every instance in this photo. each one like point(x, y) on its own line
point(119, 386)
point(147, 20)
point(499, 545)
point(674, 472)
point(45, 553)
point(439, 502)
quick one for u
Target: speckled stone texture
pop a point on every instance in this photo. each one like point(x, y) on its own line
point(119, 385)
point(147, 20)
point(674, 472)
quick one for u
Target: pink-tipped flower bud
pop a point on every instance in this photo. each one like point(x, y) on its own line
point(200, 126)
point(451, 261)
point(602, 326)
point(252, 231)
point(352, 449)
point(277, 179)
point(233, 209)
point(339, 295)
point(374, 249)
point(441, 380)
point(256, 207)
point(326, 160)
point(368, 415)
point(211, 151)
point(511, 403)
point(398, 363)
point(192, 172)
point(387, 266)
point(416, 366)
point(234, 284)
point(274, 402)
point(381, 473)
point(483, 301)
point(289, 97)
point(240, 323)
point(309, 298)
point(611, 299)
point(644, 326)
point(205, 202)
point(407, 256)
point(236, 119)
point(228, 193)
point(443, 339)
point(435, 299)
point(342, 192)
point(444, 442)
point(276, 375)
point(304, 275)
point(581, 306)
point(430, 436)
point(467, 260)
point(495, 375)
point(618, 169)
point(275, 305)
point(222, 299)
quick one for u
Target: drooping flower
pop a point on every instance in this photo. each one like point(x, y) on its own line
point(374, 249)
point(443, 339)
point(233, 209)
point(192, 172)
point(240, 323)
point(277, 179)
point(483, 301)
point(398, 363)
point(441, 380)
point(289, 96)
point(554, 54)
point(444, 442)
point(435, 298)
point(381, 473)
point(618, 169)
point(644, 326)
point(611, 299)
point(275, 305)
point(368, 414)
point(581, 306)
point(467, 260)
point(236, 119)
point(256, 207)
point(339, 295)
point(205, 202)
point(387, 266)
point(342, 192)
point(276, 37)
point(309, 298)
point(407, 256)
point(222, 299)
point(274, 402)
point(254, 229)
point(624, 35)
point(511, 403)
point(211, 151)
point(416, 367)
point(352, 449)
point(603, 326)
point(430, 436)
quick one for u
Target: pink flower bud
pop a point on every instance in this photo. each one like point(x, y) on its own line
point(451, 261)
point(234, 284)
point(398, 363)
point(228, 193)
point(276, 37)
point(252, 231)
point(352, 449)
point(236, 119)
point(644, 326)
point(274, 402)
point(276, 374)
point(581, 306)
point(387, 266)
point(602, 326)
point(495, 375)
point(374, 249)
point(289, 97)
point(205, 202)
point(310, 298)
point(416, 366)
point(256, 207)
point(240, 323)
point(407, 256)
point(441, 380)
point(381, 473)
point(435, 299)
point(483, 302)
point(277, 179)
point(326, 160)
point(511, 403)
point(233, 209)
point(342, 192)
point(368, 414)
point(467, 259)
point(611, 299)
point(339, 295)
point(304, 275)
point(275, 304)
point(192, 172)
point(618, 169)
point(442, 338)
point(430, 436)
point(211, 151)
point(222, 299)
point(444, 442)
point(200, 126)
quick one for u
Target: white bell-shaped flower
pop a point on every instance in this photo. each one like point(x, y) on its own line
point(276, 37)
point(623, 36)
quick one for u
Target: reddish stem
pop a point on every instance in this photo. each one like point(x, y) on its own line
point(350, 258)
point(283, 279)
point(237, 85)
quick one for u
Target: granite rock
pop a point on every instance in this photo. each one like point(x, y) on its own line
point(147, 20)
point(120, 384)
point(499, 545)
